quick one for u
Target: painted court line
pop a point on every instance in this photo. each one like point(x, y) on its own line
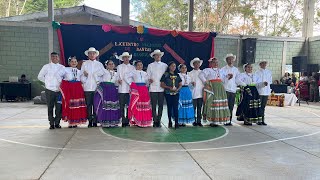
point(155, 150)
point(177, 143)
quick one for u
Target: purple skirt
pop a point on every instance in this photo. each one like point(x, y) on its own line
point(106, 105)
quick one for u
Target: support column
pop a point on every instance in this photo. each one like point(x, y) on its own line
point(50, 29)
point(284, 57)
point(308, 18)
point(125, 12)
point(190, 15)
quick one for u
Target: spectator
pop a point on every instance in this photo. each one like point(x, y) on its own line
point(23, 79)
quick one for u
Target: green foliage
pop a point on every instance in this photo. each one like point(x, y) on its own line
point(42, 5)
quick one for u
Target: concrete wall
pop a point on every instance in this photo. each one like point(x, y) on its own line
point(24, 49)
point(314, 50)
point(278, 51)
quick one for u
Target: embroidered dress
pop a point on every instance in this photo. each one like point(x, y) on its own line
point(139, 111)
point(215, 108)
point(185, 108)
point(250, 106)
point(106, 101)
point(74, 110)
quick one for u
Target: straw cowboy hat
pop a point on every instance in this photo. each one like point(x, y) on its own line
point(125, 54)
point(230, 55)
point(263, 60)
point(157, 51)
point(91, 49)
point(195, 60)
point(211, 59)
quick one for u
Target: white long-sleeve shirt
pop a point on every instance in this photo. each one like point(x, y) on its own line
point(155, 71)
point(209, 74)
point(230, 85)
point(264, 75)
point(109, 76)
point(72, 74)
point(51, 75)
point(185, 79)
point(197, 89)
point(95, 71)
point(136, 76)
point(122, 69)
point(245, 79)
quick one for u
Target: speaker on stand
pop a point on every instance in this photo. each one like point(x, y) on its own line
point(249, 50)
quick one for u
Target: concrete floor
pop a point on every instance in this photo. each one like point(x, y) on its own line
point(288, 148)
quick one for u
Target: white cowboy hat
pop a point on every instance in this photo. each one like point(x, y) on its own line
point(195, 60)
point(230, 55)
point(91, 49)
point(261, 61)
point(157, 51)
point(125, 54)
point(211, 59)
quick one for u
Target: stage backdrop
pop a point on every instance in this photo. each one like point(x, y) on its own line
point(111, 41)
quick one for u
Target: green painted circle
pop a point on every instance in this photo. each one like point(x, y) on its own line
point(183, 134)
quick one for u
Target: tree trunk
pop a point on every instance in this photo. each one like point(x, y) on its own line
point(8, 8)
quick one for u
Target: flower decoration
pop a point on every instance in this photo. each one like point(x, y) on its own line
point(56, 25)
point(106, 27)
point(140, 29)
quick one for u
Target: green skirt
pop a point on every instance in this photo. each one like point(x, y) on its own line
point(215, 102)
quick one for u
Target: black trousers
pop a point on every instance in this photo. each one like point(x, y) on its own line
point(52, 101)
point(197, 105)
point(231, 100)
point(89, 95)
point(123, 101)
point(172, 104)
point(263, 100)
point(157, 98)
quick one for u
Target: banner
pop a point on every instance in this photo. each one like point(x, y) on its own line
point(111, 41)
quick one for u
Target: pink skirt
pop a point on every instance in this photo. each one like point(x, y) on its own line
point(139, 111)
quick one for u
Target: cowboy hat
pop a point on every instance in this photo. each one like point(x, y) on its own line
point(261, 61)
point(125, 54)
point(211, 59)
point(230, 55)
point(157, 51)
point(195, 60)
point(91, 49)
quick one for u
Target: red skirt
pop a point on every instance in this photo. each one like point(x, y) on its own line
point(74, 108)
point(303, 90)
point(139, 111)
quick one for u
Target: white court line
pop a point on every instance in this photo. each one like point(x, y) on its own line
point(224, 135)
point(155, 150)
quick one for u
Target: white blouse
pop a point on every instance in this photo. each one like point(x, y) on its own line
point(197, 89)
point(72, 74)
point(209, 74)
point(245, 79)
point(136, 76)
point(186, 79)
point(109, 76)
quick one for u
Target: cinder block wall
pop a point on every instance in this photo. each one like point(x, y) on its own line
point(24, 49)
point(314, 50)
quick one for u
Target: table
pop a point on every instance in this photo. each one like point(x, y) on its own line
point(282, 99)
point(15, 89)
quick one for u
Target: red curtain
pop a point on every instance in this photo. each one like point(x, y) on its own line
point(195, 36)
point(62, 58)
point(158, 32)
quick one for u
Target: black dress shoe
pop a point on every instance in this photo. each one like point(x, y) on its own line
point(70, 126)
point(57, 126)
point(51, 127)
point(170, 124)
point(194, 124)
point(95, 125)
point(213, 125)
point(259, 123)
point(90, 125)
point(199, 124)
point(247, 123)
point(264, 124)
point(74, 126)
point(228, 124)
point(176, 126)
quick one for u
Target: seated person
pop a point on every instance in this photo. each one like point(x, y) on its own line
point(23, 79)
point(276, 82)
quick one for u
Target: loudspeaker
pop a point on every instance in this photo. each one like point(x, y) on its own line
point(299, 64)
point(313, 68)
point(249, 50)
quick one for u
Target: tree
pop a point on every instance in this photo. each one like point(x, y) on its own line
point(18, 7)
